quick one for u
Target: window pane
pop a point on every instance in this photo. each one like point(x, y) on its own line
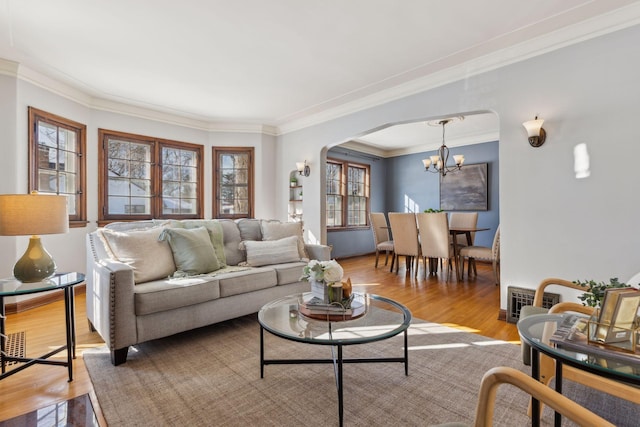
point(233, 180)
point(179, 181)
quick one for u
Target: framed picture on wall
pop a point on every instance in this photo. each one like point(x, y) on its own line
point(466, 189)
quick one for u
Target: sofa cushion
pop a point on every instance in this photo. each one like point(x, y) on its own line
point(272, 252)
point(192, 249)
point(289, 272)
point(231, 239)
point(163, 295)
point(249, 229)
point(278, 230)
point(149, 258)
point(242, 282)
point(215, 233)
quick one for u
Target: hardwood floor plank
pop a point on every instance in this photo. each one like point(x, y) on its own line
point(472, 305)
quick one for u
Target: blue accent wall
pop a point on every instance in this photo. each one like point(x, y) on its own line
point(400, 184)
point(411, 189)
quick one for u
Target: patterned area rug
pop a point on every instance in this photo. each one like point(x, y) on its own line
point(211, 376)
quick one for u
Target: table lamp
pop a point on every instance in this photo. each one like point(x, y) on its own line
point(33, 214)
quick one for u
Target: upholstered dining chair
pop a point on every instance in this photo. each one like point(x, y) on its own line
point(381, 239)
point(483, 253)
point(405, 240)
point(463, 220)
point(497, 376)
point(434, 240)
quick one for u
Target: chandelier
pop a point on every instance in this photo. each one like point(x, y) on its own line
point(438, 163)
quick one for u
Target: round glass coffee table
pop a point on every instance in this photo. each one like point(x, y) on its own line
point(381, 319)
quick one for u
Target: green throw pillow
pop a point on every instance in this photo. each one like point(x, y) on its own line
point(215, 233)
point(192, 249)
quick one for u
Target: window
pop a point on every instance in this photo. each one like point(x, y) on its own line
point(57, 162)
point(233, 182)
point(347, 194)
point(143, 177)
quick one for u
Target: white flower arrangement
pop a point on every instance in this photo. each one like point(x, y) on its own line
point(322, 271)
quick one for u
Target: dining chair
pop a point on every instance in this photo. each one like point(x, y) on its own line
point(381, 239)
point(434, 240)
point(405, 240)
point(483, 253)
point(463, 220)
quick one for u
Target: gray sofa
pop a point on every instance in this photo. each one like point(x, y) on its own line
point(144, 282)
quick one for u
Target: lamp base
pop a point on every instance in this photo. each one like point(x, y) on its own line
point(36, 264)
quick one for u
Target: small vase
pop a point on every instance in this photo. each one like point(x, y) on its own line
point(335, 292)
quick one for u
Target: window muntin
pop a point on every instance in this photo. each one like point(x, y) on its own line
point(56, 160)
point(233, 182)
point(347, 194)
point(149, 178)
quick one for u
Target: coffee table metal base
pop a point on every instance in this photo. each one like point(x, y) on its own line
point(337, 361)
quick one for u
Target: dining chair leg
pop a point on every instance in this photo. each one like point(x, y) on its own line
point(377, 255)
point(386, 259)
point(393, 259)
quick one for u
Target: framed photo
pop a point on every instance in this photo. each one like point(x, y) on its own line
point(466, 189)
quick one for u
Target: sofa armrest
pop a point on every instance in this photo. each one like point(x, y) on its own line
point(110, 298)
point(319, 252)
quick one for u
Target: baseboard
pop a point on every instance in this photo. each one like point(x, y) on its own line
point(40, 300)
point(502, 315)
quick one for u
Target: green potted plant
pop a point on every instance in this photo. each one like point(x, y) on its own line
point(595, 290)
point(293, 181)
point(431, 210)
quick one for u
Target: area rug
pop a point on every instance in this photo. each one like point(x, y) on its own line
point(211, 377)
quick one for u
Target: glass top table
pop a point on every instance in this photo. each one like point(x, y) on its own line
point(536, 331)
point(12, 287)
point(381, 319)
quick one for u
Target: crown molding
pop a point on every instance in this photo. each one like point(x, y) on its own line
point(8, 68)
point(468, 139)
point(618, 19)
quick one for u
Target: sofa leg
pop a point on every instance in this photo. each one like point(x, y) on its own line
point(119, 356)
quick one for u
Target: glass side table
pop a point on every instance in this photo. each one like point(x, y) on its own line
point(13, 287)
point(536, 330)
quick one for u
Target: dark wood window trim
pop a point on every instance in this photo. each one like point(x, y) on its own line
point(217, 152)
point(344, 184)
point(79, 219)
point(155, 145)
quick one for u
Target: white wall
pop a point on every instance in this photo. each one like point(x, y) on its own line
point(552, 223)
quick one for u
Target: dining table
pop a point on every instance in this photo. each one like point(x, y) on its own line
point(454, 232)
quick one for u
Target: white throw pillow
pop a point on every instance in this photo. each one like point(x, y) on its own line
point(268, 252)
point(150, 259)
point(280, 230)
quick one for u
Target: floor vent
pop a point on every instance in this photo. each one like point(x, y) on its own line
point(15, 345)
point(519, 297)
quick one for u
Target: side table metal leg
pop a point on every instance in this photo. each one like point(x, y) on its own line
point(340, 394)
point(72, 310)
point(535, 373)
point(557, 416)
point(68, 315)
point(261, 352)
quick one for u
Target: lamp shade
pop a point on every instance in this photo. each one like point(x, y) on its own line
point(533, 127)
point(32, 214)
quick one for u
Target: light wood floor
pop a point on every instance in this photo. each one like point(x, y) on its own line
point(472, 304)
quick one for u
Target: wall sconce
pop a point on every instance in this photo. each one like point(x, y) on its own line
point(303, 168)
point(536, 133)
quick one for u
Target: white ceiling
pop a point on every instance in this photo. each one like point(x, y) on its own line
point(279, 63)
